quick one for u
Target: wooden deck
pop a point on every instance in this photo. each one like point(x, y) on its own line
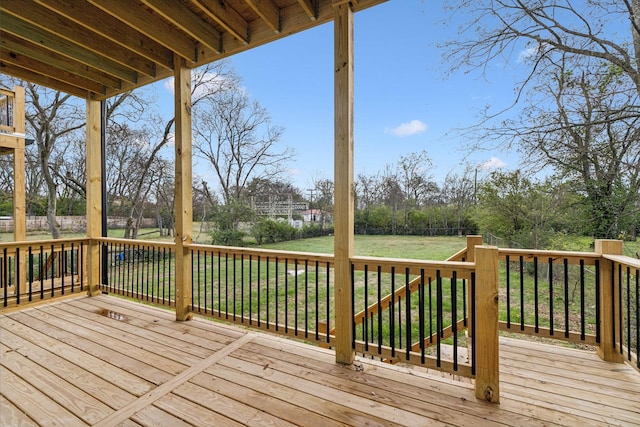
point(106, 361)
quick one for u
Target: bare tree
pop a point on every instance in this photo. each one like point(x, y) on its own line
point(235, 136)
point(580, 96)
point(52, 118)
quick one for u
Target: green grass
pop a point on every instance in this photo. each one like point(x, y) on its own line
point(414, 247)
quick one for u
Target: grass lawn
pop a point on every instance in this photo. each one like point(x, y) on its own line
point(415, 247)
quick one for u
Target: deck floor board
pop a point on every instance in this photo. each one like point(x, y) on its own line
point(107, 361)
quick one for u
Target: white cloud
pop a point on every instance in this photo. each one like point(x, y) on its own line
point(208, 83)
point(413, 127)
point(492, 163)
point(530, 53)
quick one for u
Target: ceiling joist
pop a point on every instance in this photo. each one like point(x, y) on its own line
point(100, 48)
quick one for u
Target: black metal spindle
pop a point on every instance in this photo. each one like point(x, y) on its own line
point(353, 309)
point(521, 270)
point(30, 274)
point(53, 269)
point(550, 269)
point(464, 302)
point(421, 313)
point(53, 266)
point(286, 295)
point(72, 276)
point(62, 266)
point(276, 312)
point(379, 279)
point(267, 290)
point(536, 293)
point(365, 331)
point(306, 298)
point(295, 301)
point(328, 296)
point(407, 298)
point(195, 283)
point(5, 277)
point(392, 303)
point(439, 319)
point(430, 312)
point(17, 278)
point(164, 268)
point(613, 306)
point(40, 266)
point(566, 298)
point(473, 323)
point(258, 291)
point(454, 317)
point(219, 284)
point(638, 318)
point(234, 286)
point(226, 285)
point(250, 289)
point(582, 302)
point(598, 301)
point(242, 288)
point(317, 323)
point(169, 276)
point(508, 279)
point(628, 304)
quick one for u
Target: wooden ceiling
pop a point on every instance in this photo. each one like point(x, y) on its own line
point(98, 48)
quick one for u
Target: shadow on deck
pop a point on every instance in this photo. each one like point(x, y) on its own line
point(107, 361)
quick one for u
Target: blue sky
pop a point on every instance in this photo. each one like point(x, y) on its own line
point(404, 100)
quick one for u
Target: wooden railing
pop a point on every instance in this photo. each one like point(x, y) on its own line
point(440, 314)
point(40, 270)
point(143, 270)
point(289, 293)
point(625, 316)
point(550, 294)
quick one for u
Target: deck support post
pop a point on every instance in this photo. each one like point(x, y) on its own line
point(19, 198)
point(184, 192)
point(485, 335)
point(94, 194)
point(19, 188)
point(610, 303)
point(343, 180)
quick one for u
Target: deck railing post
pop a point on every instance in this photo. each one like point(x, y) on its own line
point(610, 304)
point(485, 336)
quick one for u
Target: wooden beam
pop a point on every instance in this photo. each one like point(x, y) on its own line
point(226, 17)
point(268, 11)
point(44, 18)
point(150, 24)
point(183, 197)
point(28, 63)
point(187, 21)
point(310, 7)
point(15, 45)
point(34, 77)
point(61, 46)
point(610, 304)
point(94, 195)
point(96, 20)
point(485, 334)
point(343, 181)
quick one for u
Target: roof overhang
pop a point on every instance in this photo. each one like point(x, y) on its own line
point(99, 48)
